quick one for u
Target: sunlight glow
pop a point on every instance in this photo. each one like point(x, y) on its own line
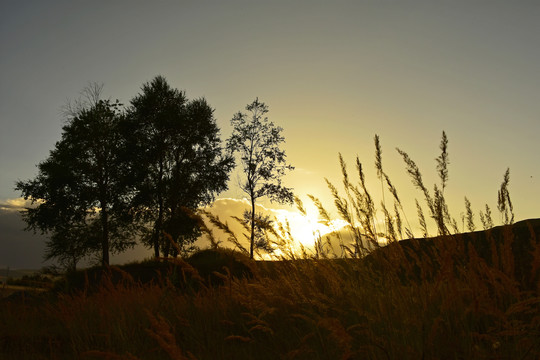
point(307, 229)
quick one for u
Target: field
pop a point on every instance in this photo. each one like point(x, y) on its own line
point(472, 295)
point(468, 296)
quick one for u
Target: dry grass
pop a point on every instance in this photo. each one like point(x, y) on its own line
point(463, 296)
point(397, 303)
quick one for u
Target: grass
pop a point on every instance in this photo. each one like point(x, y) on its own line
point(461, 296)
point(316, 309)
point(409, 302)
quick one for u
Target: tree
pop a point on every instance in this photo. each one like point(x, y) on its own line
point(257, 141)
point(79, 190)
point(263, 225)
point(178, 162)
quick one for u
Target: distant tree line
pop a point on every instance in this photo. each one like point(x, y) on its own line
point(140, 172)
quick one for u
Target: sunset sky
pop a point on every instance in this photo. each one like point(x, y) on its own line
point(334, 74)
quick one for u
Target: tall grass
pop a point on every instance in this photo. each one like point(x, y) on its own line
point(465, 296)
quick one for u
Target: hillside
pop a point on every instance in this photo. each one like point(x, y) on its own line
point(515, 249)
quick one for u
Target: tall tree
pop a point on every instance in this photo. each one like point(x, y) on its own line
point(179, 163)
point(80, 187)
point(257, 140)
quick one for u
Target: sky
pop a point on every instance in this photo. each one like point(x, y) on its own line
point(333, 74)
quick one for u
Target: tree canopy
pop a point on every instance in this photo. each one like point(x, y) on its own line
point(179, 163)
point(116, 174)
point(80, 187)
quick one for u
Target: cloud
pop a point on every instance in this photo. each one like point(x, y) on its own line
point(23, 249)
point(303, 230)
point(14, 204)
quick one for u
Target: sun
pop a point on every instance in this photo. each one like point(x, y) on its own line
point(306, 229)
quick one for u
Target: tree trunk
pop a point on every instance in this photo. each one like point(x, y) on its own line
point(156, 248)
point(252, 227)
point(158, 228)
point(105, 236)
point(166, 248)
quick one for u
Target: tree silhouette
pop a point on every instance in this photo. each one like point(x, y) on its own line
point(257, 141)
point(177, 162)
point(263, 225)
point(80, 187)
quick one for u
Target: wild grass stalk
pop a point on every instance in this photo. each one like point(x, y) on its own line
point(504, 204)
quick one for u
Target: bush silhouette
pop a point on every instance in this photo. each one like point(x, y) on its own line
point(211, 261)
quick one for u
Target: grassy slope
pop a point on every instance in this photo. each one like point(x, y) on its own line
point(508, 247)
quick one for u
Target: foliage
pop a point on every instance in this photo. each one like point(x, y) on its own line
point(36, 280)
point(79, 192)
point(257, 140)
point(263, 225)
point(177, 163)
point(115, 174)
